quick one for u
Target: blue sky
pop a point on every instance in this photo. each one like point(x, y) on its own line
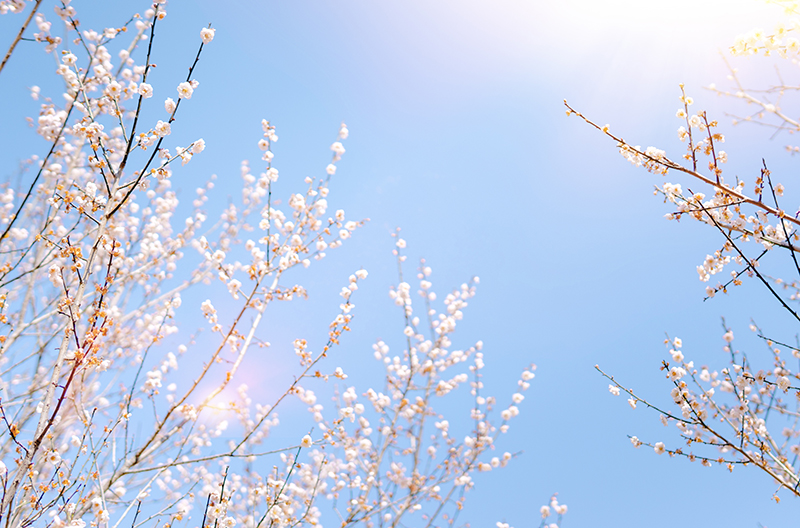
point(459, 137)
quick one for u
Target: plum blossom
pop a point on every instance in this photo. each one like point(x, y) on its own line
point(145, 90)
point(185, 90)
point(207, 35)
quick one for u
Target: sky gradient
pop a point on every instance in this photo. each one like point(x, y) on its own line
point(458, 136)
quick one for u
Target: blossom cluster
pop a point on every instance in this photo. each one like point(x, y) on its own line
point(732, 413)
point(372, 452)
point(781, 41)
point(742, 414)
point(112, 413)
point(726, 207)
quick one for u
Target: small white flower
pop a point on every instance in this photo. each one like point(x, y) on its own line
point(145, 90)
point(162, 128)
point(306, 441)
point(185, 90)
point(53, 457)
point(676, 373)
point(233, 288)
point(338, 148)
point(113, 89)
point(207, 34)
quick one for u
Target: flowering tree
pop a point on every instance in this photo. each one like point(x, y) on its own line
point(102, 425)
point(744, 413)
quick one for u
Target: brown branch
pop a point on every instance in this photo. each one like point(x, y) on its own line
point(19, 35)
point(669, 164)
